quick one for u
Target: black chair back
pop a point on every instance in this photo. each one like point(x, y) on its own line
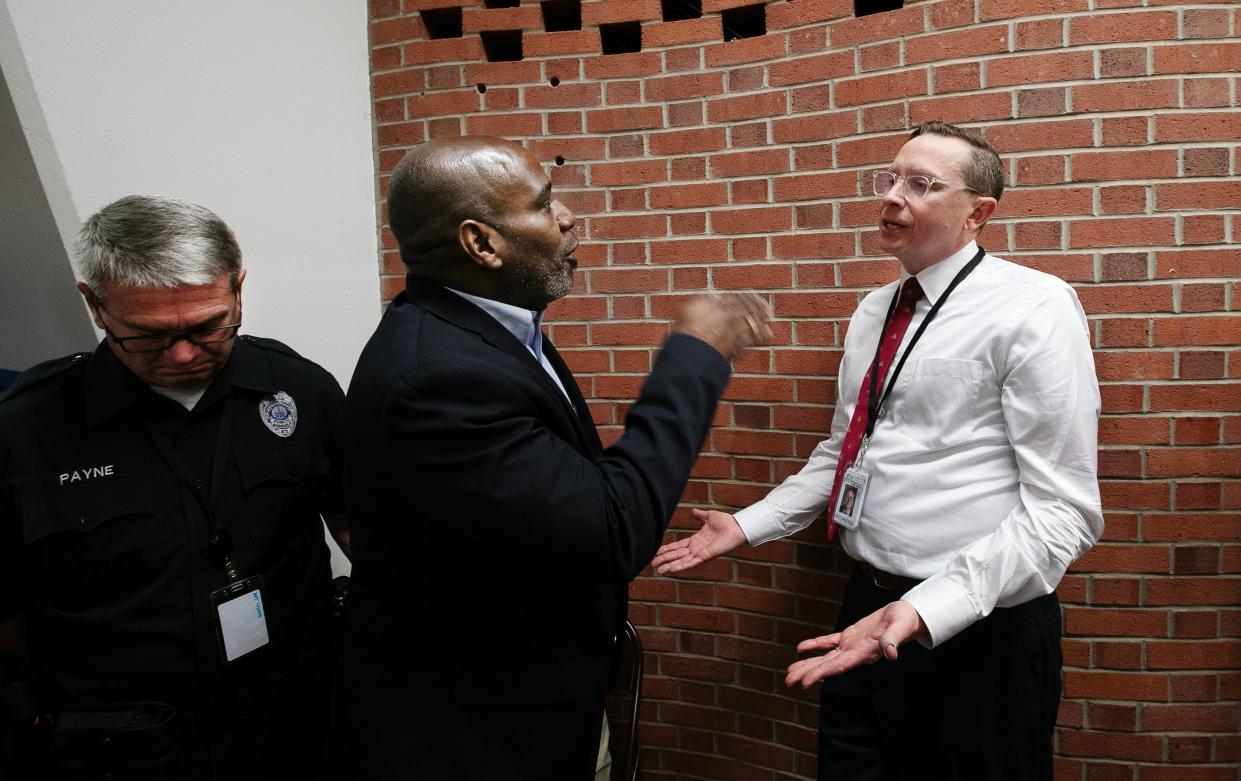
point(624, 702)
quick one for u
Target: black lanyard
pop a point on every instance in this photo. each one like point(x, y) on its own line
point(873, 404)
point(219, 546)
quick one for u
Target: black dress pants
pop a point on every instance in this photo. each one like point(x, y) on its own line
point(982, 705)
point(441, 740)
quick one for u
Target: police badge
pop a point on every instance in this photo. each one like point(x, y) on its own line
point(279, 414)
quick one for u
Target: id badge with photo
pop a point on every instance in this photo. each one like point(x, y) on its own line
point(240, 618)
point(848, 510)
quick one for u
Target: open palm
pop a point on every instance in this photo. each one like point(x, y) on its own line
point(719, 534)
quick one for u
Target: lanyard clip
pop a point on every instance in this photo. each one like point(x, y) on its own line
point(230, 570)
point(861, 451)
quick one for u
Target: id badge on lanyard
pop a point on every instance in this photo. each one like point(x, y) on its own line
point(848, 510)
point(852, 497)
point(240, 618)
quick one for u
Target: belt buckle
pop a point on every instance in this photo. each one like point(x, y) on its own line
point(889, 585)
point(882, 580)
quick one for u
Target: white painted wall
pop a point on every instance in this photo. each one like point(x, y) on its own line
point(260, 111)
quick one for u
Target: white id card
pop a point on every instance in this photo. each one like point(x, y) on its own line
point(241, 620)
point(848, 510)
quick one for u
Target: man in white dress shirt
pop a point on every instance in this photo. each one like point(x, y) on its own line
point(975, 489)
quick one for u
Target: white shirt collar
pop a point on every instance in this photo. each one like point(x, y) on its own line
point(936, 277)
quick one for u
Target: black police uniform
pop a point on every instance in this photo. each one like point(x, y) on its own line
point(105, 547)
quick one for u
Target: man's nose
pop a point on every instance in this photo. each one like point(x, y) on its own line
point(182, 351)
point(564, 217)
point(895, 194)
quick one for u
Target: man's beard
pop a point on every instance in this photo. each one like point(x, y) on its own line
point(541, 279)
point(558, 284)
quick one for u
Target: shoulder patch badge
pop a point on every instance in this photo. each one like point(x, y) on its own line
point(279, 414)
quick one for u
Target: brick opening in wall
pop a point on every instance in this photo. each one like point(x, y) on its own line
point(747, 21)
point(868, 7)
point(621, 37)
point(502, 45)
point(442, 22)
point(678, 10)
point(561, 15)
point(501, 3)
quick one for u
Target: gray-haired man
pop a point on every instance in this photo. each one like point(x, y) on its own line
point(159, 518)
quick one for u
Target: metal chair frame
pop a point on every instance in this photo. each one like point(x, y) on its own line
point(635, 671)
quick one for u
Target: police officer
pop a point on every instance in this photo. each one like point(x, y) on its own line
point(160, 532)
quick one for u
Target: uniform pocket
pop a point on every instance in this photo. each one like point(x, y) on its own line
point(282, 487)
point(91, 537)
point(938, 407)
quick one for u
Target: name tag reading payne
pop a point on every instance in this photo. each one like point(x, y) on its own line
point(848, 512)
point(241, 622)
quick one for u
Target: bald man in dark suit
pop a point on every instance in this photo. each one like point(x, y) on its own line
point(494, 536)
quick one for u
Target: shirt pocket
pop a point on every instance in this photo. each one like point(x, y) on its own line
point(282, 489)
point(939, 407)
point(91, 538)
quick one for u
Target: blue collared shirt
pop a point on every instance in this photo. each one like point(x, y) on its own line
point(525, 324)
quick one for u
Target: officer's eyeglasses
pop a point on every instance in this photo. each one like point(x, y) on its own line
point(157, 343)
point(916, 186)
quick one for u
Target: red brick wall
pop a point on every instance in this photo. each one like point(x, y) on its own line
point(701, 164)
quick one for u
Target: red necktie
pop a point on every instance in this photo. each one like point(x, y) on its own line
point(893, 332)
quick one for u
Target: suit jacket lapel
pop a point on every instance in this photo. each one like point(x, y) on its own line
point(455, 309)
point(585, 423)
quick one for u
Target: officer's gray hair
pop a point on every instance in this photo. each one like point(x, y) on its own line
point(148, 241)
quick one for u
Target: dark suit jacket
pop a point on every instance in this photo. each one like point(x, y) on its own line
point(493, 536)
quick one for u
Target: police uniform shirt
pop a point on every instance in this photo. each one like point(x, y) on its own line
point(105, 548)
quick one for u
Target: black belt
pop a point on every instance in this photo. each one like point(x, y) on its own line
point(227, 708)
point(224, 709)
point(883, 580)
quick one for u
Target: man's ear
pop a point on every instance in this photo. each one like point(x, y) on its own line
point(984, 207)
point(481, 243)
point(91, 302)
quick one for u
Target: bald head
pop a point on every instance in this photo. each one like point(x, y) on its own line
point(443, 182)
point(477, 214)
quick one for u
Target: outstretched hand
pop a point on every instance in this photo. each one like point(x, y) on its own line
point(879, 634)
point(720, 533)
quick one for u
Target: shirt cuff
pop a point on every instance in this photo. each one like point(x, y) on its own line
point(945, 608)
point(758, 523)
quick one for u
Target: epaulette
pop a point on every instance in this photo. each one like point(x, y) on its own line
point(40, 372)
point(275, 346)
